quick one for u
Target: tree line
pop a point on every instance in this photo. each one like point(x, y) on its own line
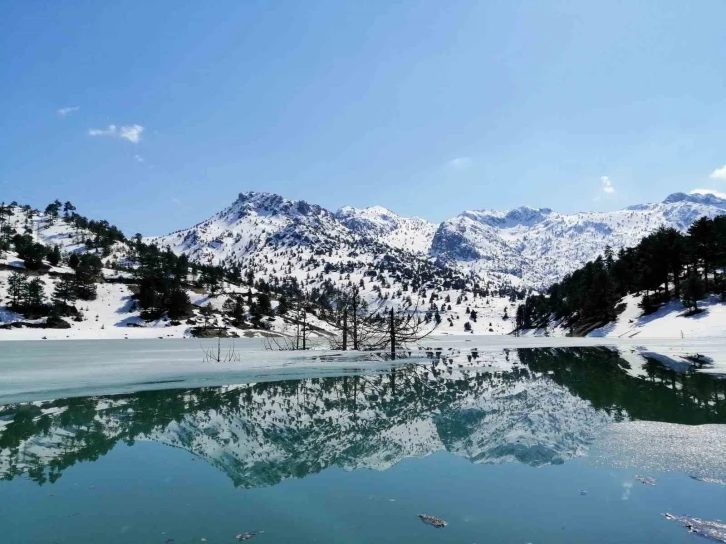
point(665, 265)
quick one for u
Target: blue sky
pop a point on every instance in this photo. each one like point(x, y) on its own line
point(155, 114)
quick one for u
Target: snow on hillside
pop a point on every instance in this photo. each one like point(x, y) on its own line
point(276, 239)
point(468, 262)
point(413, 234)
point(112, 315)
point(538, 246)
point(524, 247)
point(255, 221)
point(55, 232)
point(669, 321)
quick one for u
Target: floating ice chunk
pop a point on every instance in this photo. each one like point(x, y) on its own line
point(431, 520)
point(714, 530)
point(646, 480)
point(248, 536)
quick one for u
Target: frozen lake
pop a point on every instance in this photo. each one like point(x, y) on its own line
point(537, 444)
point(38, 370)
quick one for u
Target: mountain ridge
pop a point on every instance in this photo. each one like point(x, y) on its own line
point(525, 247)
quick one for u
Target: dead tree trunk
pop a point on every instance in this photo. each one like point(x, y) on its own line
point(305, 330)
point(355, 320)
point(297, 326)
point(345, 330)
point(393, 337)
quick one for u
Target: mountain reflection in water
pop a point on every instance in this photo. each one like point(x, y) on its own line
point(533, 406)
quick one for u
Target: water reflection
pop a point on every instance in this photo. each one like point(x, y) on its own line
point(533, 406)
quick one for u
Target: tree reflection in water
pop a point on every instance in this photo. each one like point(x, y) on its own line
point(539, 406)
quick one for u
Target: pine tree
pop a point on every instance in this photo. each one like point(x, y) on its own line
point(283, 306)
point(68, 208)
point(694, 289)
point(207, 311)
point(74, 260)
point(609, 257)
point(703, 244)
point(264, 305)
point(17, 284)
point(64, 293)
point(54, 256)
point(179, 303)
point(32, 253)
point(34, 294)
point(52, 210)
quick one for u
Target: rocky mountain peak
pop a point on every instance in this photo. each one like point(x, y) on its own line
point(699, 196)
point(525, 246)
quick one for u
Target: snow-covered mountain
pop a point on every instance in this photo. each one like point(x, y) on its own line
point(540, 246)
point(414, 234)
point(466, 264)
point(529, 247)
point(51, 231)
point(256, 221)
point(278, 240)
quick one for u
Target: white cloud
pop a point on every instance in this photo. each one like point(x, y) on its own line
point(708, 192)
point(461, 163)
point(176, 201)
point(607, 185)
point(139, 158)
point(132, 133)
point(67, 110)
point(719, 173)
point(110, 131)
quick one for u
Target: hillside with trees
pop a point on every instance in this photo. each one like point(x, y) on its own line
point(62, 270)
point(666, 265)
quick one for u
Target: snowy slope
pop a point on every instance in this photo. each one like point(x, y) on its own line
point(538, 246)
point(413, 234)
point(114, 314)
point(669, 321)
point(524, 247)
point(469, 262)
point(253, 222)
point(56, 232)
point(276, 240)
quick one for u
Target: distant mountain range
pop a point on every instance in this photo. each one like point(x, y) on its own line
point(523, 247)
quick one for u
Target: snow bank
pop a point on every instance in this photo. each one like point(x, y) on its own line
point(668, 321)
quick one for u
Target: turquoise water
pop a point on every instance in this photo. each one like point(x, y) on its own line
point(502, 456)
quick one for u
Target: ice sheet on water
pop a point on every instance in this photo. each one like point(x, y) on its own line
point(712, 529)
point(697, 450)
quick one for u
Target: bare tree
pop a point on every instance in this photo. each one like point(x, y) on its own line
point(216, 355)
point(379, 329)
point(300, 339)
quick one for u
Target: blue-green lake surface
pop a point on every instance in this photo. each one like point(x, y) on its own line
point(550, 446)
